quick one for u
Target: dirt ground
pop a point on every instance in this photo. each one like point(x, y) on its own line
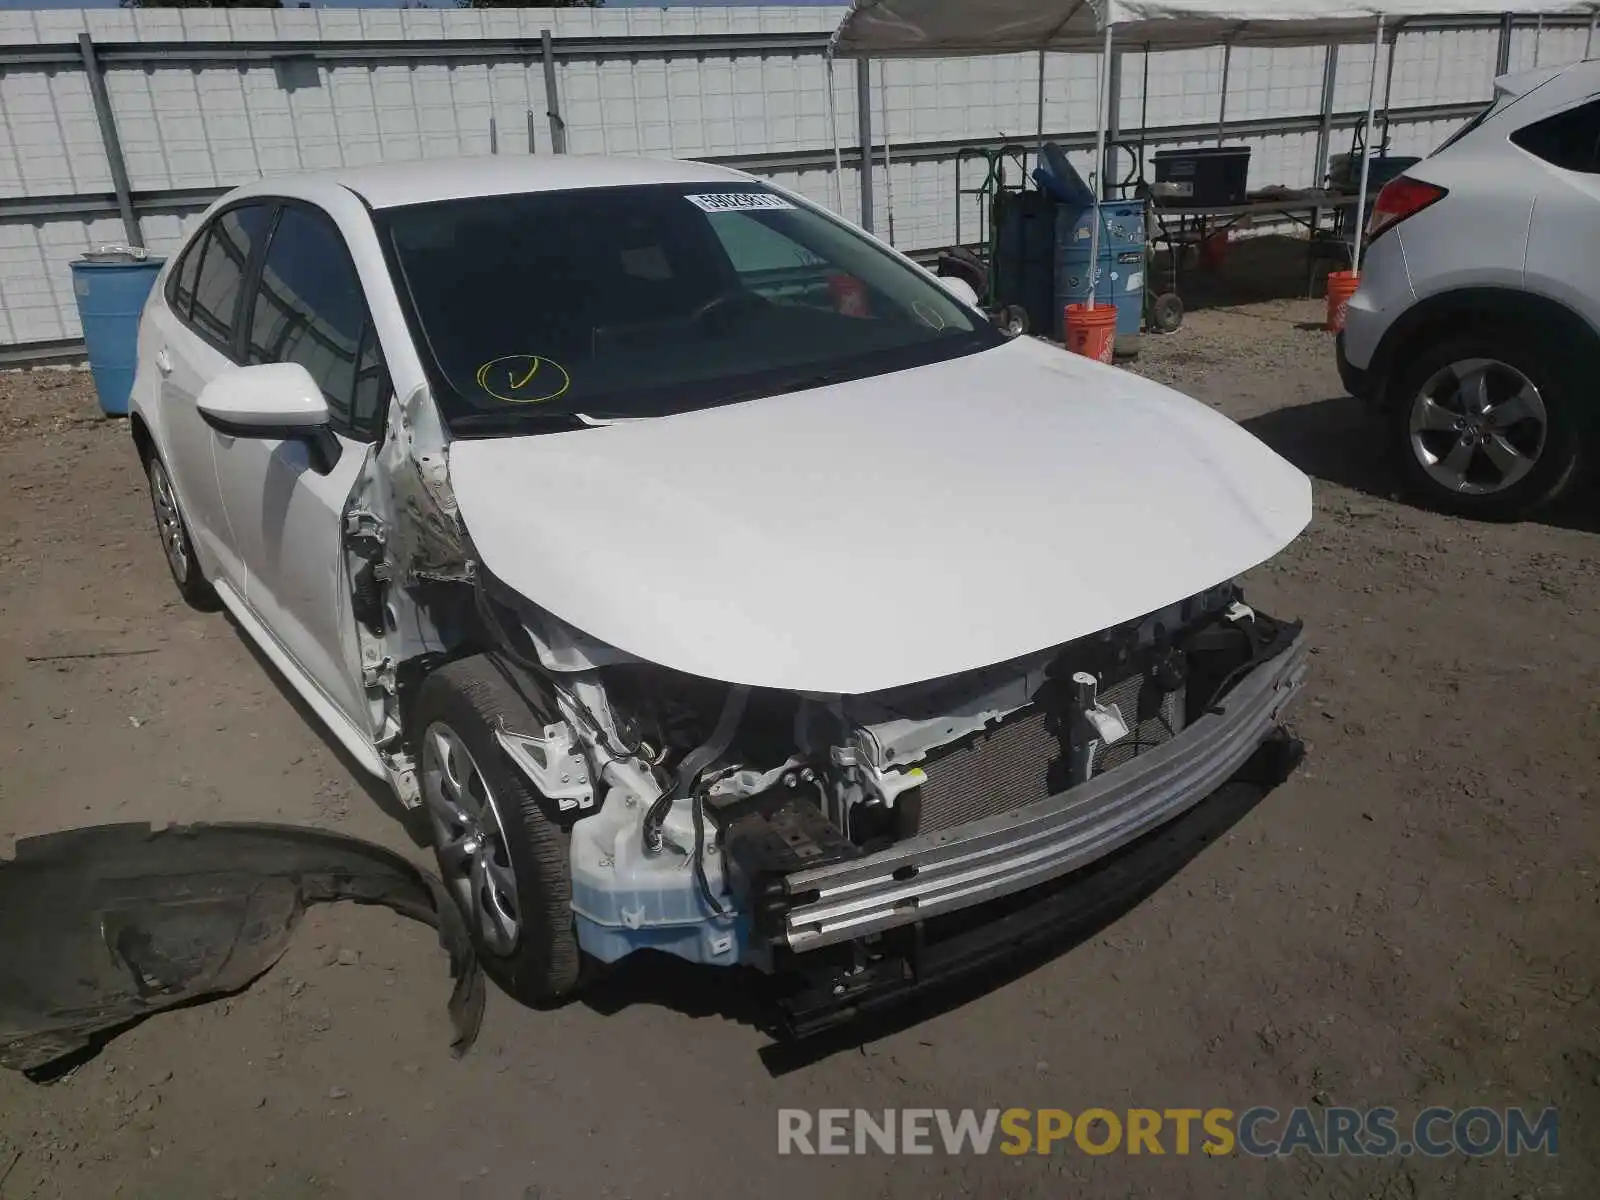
point(1410, 920)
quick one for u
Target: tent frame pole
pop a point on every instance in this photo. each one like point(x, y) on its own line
point(1222, 106)
point(1040, 143)
point(1100, 164)
point(1366, 154)
point(864, 126)
point(1144, 111)
point(1388, 84)
point(838, 151)
point(888, 174)
point(1588, 42)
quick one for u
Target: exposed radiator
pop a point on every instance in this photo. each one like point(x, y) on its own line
point(1020, 761)
point(1161, 721)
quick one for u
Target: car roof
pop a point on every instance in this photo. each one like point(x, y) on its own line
point(390, 185)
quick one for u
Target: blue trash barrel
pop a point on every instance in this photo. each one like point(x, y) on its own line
point(1122, 266)
point(111, 286)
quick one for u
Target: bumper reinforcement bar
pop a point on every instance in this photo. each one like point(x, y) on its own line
point(999, 855)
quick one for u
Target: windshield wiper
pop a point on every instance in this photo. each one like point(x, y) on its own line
point(532, 420)
point(798, 383)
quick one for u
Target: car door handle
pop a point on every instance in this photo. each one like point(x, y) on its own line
point(163, 361)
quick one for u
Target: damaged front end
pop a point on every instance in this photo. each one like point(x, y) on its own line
point(728, 824)
point(809, 834)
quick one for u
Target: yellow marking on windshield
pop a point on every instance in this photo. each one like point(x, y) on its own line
point(529, 379)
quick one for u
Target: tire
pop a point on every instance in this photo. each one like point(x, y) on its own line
point(1013, 320)
point(1166, 313)
point(1454, 454)
point(458, 709)
point(176, 545)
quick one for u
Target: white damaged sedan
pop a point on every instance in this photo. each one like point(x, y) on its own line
point(713, 579)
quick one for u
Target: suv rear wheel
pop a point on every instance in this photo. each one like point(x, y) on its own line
point(1484, 424)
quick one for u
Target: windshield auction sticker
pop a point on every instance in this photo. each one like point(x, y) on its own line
point(713, 202)
point(523, 379)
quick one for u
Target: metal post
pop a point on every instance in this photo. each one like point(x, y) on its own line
point(1588, 42)
point(532, 142)
point(833, 132)
point(1108, 168)
point(1222, 111)
point(864, 126)
point(1144, 110)
point(1099, 157)
point(110, 141)
point(1366, 153)
point(1538, 36)
point(552, 99)
point(888, 167)
point(1330, 79)
point(1041, 105)
point(1502, 54)
point(494, 136)
point(1388, 86)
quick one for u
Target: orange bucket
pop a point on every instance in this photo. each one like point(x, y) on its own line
point(1341, 286)
point(1092, 332)
point(1214, 250)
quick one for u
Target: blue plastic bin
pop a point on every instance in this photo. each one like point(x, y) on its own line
point(111, 286)
point(1122, 266)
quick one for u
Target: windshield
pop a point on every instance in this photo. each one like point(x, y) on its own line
point(549, 308)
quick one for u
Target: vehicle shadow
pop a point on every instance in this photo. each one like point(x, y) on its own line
point(1097, 896)
point(412, 821)
point(1339, 441)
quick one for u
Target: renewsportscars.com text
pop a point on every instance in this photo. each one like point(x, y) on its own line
point(1259, 1132)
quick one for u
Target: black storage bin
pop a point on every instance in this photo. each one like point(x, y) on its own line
point(1203, 177)
point(1026, 255)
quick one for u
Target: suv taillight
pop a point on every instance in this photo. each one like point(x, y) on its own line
point(1401, 197)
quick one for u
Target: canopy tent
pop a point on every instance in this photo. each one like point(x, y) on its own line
point(951, 28)
point(948, 28)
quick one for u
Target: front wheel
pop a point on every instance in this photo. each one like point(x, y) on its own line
point(1486, 425)
point(504, 861)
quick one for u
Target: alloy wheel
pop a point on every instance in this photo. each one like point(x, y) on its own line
point(169, 524)
point(1478, 426)
point(470, 838)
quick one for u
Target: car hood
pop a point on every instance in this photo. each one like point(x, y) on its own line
point(885, 531)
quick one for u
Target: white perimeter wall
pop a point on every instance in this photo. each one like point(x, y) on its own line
point(209, 125)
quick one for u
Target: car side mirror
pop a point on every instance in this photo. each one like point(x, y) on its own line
point(960, 289)
point(274, 402)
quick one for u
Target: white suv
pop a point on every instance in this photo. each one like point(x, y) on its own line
point(1475, 327)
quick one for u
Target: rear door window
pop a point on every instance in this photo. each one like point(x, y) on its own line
point(1569, 140)
point(309, 309)
point(180, 288)
point(224, 259)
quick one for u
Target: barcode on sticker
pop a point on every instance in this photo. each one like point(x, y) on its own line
point(737, 201)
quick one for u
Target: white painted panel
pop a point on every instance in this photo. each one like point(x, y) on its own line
point(208, 125)
point(36, 300)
